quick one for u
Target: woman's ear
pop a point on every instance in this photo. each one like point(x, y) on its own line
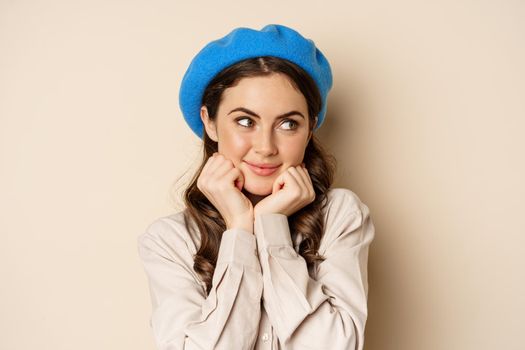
point(209, 125)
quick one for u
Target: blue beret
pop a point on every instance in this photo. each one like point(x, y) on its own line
point(243, 43)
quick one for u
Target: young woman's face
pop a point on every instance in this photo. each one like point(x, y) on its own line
point(261, 120)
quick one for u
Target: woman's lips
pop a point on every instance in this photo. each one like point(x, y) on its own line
point(262, 171)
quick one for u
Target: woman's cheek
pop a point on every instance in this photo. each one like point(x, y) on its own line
point(240, 142)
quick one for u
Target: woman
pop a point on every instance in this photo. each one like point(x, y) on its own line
point(265, 255)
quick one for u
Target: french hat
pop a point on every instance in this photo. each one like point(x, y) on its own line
point(243, 43)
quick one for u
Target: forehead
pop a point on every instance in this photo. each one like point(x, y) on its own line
point(274, 92)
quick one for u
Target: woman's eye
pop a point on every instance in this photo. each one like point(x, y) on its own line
point(248, 123)
point(248, 119)
point(294, 123)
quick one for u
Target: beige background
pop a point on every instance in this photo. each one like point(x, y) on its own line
point(426, 118)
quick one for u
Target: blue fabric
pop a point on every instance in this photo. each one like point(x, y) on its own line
point(242, 43)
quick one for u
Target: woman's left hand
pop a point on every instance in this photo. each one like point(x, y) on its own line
point(291, 191)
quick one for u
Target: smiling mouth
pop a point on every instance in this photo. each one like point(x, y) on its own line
point(262, 171)
point(263, 166)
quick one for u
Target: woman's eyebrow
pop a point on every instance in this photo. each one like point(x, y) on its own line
point(246, 110)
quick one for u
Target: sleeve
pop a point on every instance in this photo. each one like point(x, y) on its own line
point(328, 312)
point(182, 316)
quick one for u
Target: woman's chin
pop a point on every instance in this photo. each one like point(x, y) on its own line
point(258, 190)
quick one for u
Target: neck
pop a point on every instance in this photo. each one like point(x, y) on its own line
point(254, 198)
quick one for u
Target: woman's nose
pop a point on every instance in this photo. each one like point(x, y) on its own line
point(264, 143)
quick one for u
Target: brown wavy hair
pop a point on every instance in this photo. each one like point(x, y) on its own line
point(309, 220)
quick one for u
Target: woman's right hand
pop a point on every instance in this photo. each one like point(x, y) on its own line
point(221, 182)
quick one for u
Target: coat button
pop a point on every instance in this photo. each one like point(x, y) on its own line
point(265, 337)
